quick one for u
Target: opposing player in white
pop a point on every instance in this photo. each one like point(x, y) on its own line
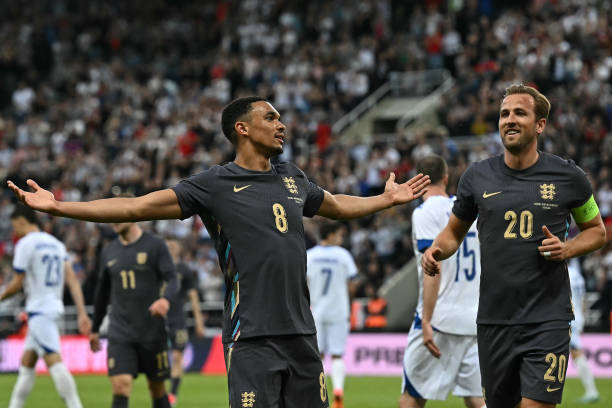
point(441, 355)
point(41, 260)
point(591, 394)
point(329, 269)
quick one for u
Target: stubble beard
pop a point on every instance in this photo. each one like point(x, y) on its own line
point(521, 145)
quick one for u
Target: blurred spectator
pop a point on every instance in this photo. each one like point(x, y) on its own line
point(376, 310)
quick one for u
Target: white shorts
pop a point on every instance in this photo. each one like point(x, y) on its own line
point(43, 335)
point(577, 325)
point(456, 370)
point(331, 336)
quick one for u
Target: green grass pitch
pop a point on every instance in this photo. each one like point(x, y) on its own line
point(211, 392)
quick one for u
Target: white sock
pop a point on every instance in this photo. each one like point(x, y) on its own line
point(337, 375)
point(64, 384)
point(586, 376)
point(23, 386)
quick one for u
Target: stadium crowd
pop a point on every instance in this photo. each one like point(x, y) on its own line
point(98, 98)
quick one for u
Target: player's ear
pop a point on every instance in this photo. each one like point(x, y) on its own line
point(241, 128)
point(540, 125)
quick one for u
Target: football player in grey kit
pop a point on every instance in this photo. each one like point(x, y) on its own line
point(135, 270)
point(523, 199)
point(253, 211)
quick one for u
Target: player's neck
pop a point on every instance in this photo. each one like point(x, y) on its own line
point(133, 234)
point(252, 162)
point(521, 160)
point(435, 190)
point(28, 229)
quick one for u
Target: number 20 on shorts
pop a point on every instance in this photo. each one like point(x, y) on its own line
point(552, 359)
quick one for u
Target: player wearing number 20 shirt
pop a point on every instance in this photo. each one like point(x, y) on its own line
point(519, 288)
point(524, 201)
point(514, 205)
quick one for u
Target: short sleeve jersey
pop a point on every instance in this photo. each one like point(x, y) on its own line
point(329, 269)
point(137, 273)
point(187, 280)
point(457, 303)
point(255, 220)
point(41, 257)
point(518, 285)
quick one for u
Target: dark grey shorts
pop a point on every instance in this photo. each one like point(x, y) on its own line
point(133, 358)
point(272, 372)
point(528, 360)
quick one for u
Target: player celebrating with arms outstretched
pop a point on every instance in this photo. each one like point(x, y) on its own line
point(254, 213)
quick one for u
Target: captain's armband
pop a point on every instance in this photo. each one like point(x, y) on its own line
point(586, 212)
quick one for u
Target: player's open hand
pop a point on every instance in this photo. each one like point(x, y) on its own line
point(408, 191)
point(40, 199)
point(428, 340)
point(429, 261)
point(552, 248)
point(159, 307)
point(84, 324)
point(94, 342)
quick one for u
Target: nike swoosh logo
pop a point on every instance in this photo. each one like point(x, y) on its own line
point(485, 195)
point(111, 263)
point(552, 389)
point(237, 189)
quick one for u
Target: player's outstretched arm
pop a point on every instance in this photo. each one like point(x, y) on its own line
point(445, 244)
point(77, 297)
point(13, 287)
point(158, 205)
point(342, 207)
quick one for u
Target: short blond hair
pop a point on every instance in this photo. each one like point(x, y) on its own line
point(542, 104)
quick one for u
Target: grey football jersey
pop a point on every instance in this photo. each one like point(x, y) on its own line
point(518, 285)
point(133, 276)
point(255, 220)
